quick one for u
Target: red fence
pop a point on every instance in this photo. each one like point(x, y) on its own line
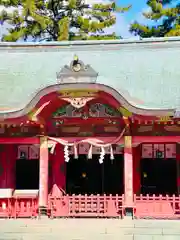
point(163, 207)
point(93, 206)
point(86, 206)
point(18, 207)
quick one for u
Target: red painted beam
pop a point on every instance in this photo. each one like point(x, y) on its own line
point(89, 120)
point(135, 139)
point(19, 140)
point(155, 139)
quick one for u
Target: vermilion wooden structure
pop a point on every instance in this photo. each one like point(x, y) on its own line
point(57, 121)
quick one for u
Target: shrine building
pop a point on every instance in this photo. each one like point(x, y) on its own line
point(90, 128)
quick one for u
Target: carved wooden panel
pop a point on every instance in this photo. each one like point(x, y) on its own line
point(28, 152)
point(94, 110)
point(158, 150)
point(23, 151)
point(84, 148)
point(170, 150)
point(34, 152)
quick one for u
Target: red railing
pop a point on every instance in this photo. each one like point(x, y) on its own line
point(164, 207)
point(93, 206)
point(18, 207)
point(25, 207)
point(86, 206)
point(5, 208)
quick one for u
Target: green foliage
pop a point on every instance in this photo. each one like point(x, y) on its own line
point(57, 20)
point(160, 11)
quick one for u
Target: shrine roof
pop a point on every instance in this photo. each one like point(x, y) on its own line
point(145, 72)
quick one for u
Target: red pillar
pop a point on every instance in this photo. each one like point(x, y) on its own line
point(3, 166)
point(178, 167)
point(58, 170)
point(128, 172)
point(11, 150)
point(43, 175)
point(136, 169)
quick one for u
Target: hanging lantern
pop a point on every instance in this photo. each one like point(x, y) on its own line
point(111, 153)
point(75, 152)
point(83, 175)
point(102, 154)
point(90, 152)
point(144, 174)
point(66, 154)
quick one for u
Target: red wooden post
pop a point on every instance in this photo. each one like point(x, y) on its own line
point(136, 169)
point(58, 168)
point(43, 174)
point(128, 173)
point(178, 167)
point(3, 166)
point(11, 151)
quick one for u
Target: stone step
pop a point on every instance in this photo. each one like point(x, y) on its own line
point(86, 229)
point(92, 223)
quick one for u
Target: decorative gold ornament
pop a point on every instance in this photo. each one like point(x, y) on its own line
point(78, 102)
point(125, 112)
point(78, 93)
point(164, 119)
point(76, 65)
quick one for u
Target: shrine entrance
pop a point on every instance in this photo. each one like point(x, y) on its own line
point(27, 167)
point(88, 176)
point(27, 174)
point(159, 170)
point(158, 176)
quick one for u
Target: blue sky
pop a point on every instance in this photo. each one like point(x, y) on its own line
point(137, 7)
point(135, 13)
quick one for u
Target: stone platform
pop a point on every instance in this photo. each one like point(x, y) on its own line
point(89, 229)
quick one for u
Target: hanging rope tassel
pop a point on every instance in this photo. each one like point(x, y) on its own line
point(53, 148)
point(90, 152)
point(111, 153)
point(102, 154)
point(66, 153)
point(75, 152)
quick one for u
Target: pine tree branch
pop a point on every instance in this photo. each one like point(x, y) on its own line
point(53, 19)
point(169, 17)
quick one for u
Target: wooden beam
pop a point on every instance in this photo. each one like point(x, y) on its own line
point(135, 139)
point(155, 139)
point(90, 120)
point(19, 140)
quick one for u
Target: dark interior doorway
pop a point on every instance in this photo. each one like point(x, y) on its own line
point(158, 176)
point(88, 176)
point(114, 174)
point(27, 174)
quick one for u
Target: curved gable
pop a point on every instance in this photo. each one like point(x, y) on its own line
point(45, 99)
